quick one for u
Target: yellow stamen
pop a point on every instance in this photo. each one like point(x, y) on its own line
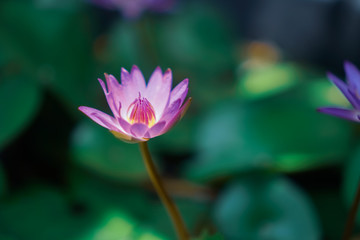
point(141, 111)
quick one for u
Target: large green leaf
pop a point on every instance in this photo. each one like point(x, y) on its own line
point(51, 45)
point(19, 101)
point(120, 225)
point(262, 208)
point(178, 140)
point(268, 80)
point(143, 205)
point(284, 133)
point(95, 148)
point(41, 214)
point(197, 39)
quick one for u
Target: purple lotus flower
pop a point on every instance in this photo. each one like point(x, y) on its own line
point(141, 111)
point(134, 8)
point(351, 90)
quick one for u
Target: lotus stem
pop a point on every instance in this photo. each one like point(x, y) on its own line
point(171, 208)
point(352, 215)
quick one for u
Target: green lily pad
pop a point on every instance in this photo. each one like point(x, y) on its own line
point(267, 80)
point(141, 204)
point(260, 207)
point(179, 139)
point(40, 214)
point(19, 103)
point(197, 39)
point(96, 149)
point(284, 134)
point(36, 39)
point(119, 225)
point(47, 214)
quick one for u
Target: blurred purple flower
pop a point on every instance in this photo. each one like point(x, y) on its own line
point(134, 8)
point(141, 111)
point(351, 90)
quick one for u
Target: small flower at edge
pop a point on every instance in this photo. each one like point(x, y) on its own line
point(351, 90)
point(141, 111)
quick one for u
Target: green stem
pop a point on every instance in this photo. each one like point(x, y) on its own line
point(352, 215)
point(159, 187)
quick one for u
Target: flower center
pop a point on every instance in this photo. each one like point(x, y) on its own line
point(141, 111)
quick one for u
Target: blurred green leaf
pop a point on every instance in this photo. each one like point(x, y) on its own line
point(261, 207)
point(19, 101)
point(126, 46)
point(261, 82)
point(197, 39)
point(42, 214)
point(95, 148)
point(143, 205)
point(284, 133)
point(207, 236)
point(180, 139)
point(52, 45)
point(119, 225)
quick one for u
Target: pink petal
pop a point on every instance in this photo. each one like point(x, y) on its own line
point(100, 118)
point(180, 91)
point(131, 85)
point(125, 76)
point(114, 105)
point(138, 79)
point(124, 124)
point(171, 110)
point(175, 118)
point(138, 130)
point(158, 90)
point(155, 130)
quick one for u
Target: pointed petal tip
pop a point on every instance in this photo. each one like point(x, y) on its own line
point(330, 75)
point(347, 63)
point(134, 68)
point(167, 75)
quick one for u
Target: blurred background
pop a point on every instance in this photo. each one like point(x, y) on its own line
point(251, 159)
